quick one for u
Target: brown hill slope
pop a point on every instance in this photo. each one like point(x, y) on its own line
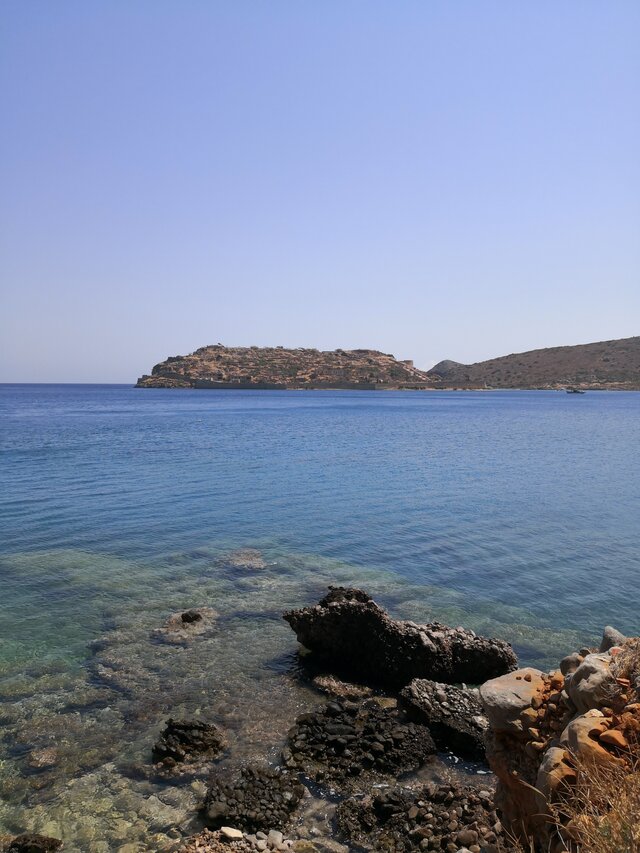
point(606, 364)
point(276, 367)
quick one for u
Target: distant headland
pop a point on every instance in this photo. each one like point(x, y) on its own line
point(604, 365)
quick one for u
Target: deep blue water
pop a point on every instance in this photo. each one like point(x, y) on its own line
point(515, 513)
point(529, 499)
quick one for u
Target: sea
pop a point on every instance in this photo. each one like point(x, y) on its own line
point(513, 513)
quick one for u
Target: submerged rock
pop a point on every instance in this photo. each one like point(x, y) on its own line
point(261, 799)
point(454, 716)
point(248, 559)
point(341, 689)
point(345, 741)
point(350, 632)
point(183, 626)
point(187, 740)
point(33, 844)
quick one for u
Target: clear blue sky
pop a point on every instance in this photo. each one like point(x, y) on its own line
point(443, 179)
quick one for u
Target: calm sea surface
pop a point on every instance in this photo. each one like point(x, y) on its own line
point(513, 513)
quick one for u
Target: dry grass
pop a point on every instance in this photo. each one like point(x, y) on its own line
point(602, 813)
point(626, 664)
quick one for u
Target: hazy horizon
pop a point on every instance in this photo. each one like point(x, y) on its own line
point(438, 181)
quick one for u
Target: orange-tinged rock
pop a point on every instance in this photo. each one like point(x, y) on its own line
point(614, 737)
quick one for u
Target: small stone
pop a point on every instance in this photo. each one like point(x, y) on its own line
point(231, 833)
point(275, 838)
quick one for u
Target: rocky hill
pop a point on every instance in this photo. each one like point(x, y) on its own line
point(219, 366)
point(607, 364)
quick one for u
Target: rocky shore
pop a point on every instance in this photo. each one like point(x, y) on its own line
point(373, 765)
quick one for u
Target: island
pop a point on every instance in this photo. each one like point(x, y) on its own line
point(606, 365)
point(277, 368)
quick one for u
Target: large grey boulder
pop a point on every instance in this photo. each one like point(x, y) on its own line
point(592, 684)
point(611, 638)
point(350, 633)
point(510, 701)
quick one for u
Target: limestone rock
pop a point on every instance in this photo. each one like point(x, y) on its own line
point(506, 699)
point(349, 631)
point(555, 770)
point(592, 683)
point(611, 638)
point(581, 737)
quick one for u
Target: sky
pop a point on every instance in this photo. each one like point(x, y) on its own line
point(444, 179)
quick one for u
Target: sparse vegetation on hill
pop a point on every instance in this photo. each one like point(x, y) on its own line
point(607, 364)
point(274, 367)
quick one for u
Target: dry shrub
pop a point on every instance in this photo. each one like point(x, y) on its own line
point(626, 664)
point(602, 812)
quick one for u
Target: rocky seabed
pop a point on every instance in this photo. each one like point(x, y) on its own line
point(392, 751)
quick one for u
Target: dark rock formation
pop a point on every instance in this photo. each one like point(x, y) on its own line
point(350, 632)
point(187, 740)
point(447, 817)
point(261, 799)
point(33, 844)
point(454, 716)
point(344, 740)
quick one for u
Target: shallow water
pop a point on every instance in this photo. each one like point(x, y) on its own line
point(513, 513)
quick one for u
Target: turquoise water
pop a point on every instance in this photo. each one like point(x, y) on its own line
point(514, 513)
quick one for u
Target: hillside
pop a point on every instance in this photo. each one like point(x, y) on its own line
point(606, 364)
point(219, 366)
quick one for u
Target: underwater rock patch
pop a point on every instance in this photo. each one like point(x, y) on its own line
point(32, 844)
point(445, 817)
point(353, 634)
point(183, 626)
point(454, 716)
point(344, 740)
point(249, 559)
point(259, 799)
point(187, 741)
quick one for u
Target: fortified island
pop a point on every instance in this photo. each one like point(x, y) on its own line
point(277, 368)
point(606, 365)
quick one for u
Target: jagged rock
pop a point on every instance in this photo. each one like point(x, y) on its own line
point(350, 632)
point(507, 698)
point(347, 740)
point(33, 844)
point(446, 817)
point(454, 716)
point(611, 638)
point(261, 799)
point(187, 740)
point(183, 626)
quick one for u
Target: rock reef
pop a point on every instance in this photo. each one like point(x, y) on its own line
point(348, 631)
point(347, 741)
